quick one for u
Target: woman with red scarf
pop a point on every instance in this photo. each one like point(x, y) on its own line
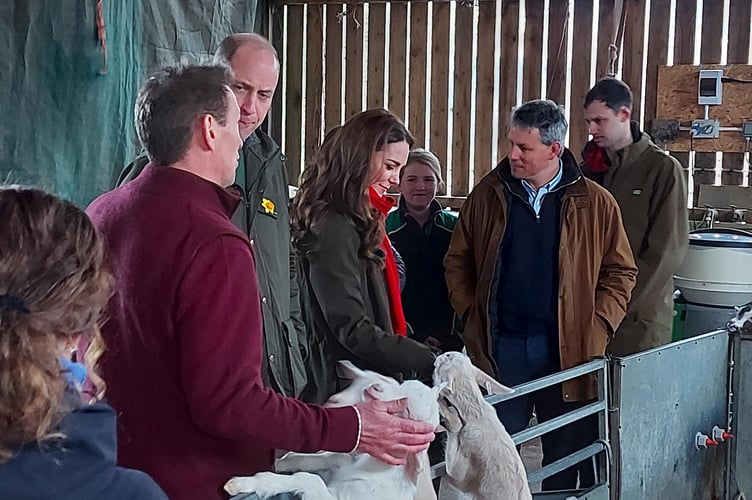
point(350, 289)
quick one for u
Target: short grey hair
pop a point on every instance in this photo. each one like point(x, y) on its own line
point(545, 115)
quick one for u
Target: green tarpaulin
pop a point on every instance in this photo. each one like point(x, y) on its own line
point(65, 126)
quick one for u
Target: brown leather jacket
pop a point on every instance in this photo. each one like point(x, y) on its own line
point(596, 270)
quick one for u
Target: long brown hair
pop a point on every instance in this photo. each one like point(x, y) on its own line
point(52, 288)
point(339, 175)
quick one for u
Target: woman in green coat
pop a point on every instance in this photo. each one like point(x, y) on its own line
point(350, 285)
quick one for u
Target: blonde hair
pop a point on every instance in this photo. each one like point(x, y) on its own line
point(427, 158)
point(53, 287)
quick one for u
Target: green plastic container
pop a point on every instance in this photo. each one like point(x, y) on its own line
point(680, 316)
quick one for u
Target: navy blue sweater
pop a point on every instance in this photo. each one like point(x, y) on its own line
point(80, 467)
point(528, 275)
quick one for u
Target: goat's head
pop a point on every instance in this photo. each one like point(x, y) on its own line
point(360, 380)
point(422, 401)
point(453, 368)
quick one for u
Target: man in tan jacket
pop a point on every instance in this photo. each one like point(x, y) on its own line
point(540, 270)
point(649, 187)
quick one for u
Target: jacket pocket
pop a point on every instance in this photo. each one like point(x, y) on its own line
point(597, 338)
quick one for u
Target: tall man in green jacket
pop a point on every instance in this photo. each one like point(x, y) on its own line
point(649, 187)
point(262, 178)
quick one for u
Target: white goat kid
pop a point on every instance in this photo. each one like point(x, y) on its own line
point(349, 476)
point(482, 461)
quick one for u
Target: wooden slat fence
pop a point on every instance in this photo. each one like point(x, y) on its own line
point(454, 70)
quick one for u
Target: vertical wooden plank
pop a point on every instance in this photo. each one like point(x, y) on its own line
point(660, 10)
point(397, 58)
point(333, 62)
point(710, 52)
point(439, 119)
point(740, 18)
point(484, 91)
point(533, 58)
point(277, 21)
point(558, 16)
point(712, 21)
point(632, 51)
point(314, 80)
point(583, 26)
point(463, 67)
point(684, 35)
point(376, 54)
point(416, 100)
point(605, 37)
point(294, 93)
point(353, 60)
point(684, 46)
point(740, 25)
point(510, 19)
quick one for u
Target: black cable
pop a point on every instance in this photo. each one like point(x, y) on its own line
point(731, 79)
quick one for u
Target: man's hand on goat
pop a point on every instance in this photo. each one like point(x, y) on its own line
point(388, 437)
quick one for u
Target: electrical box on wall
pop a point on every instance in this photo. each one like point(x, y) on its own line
point(705, 129)
point(709, 87)
point(747, 130)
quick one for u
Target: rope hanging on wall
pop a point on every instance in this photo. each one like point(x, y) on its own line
point(102, 36)
point(620, 21)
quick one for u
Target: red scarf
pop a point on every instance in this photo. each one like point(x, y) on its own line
point(383, 204)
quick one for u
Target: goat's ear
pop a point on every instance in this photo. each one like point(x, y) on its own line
point(349, 371)
point(372, 392)
point(490, 384)
point(438, 388)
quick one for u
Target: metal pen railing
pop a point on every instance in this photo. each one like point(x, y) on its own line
point(600, 407)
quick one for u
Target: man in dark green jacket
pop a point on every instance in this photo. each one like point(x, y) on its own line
point(263, 215)
point(650, 189)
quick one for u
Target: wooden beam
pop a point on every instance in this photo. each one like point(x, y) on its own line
point(463, 67)
point(660, 10)
point(510, 19)
point(314, 79)
point(439, 118)
point(583, 26)
point(397, 58)
point(558, 16)
point(605, 37)
point(740, 23)
point(684, 46)
point(376, 54)
point(277, 21)
point(533, 56)
point(353, 60)
point(632, 51)
point(293, 123)
point(484, 91)
point(333, 61)
point(416, 101)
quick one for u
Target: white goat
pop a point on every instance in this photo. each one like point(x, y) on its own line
point(349, 476)
point(482, 461)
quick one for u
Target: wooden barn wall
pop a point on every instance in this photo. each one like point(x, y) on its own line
point(454, 70)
